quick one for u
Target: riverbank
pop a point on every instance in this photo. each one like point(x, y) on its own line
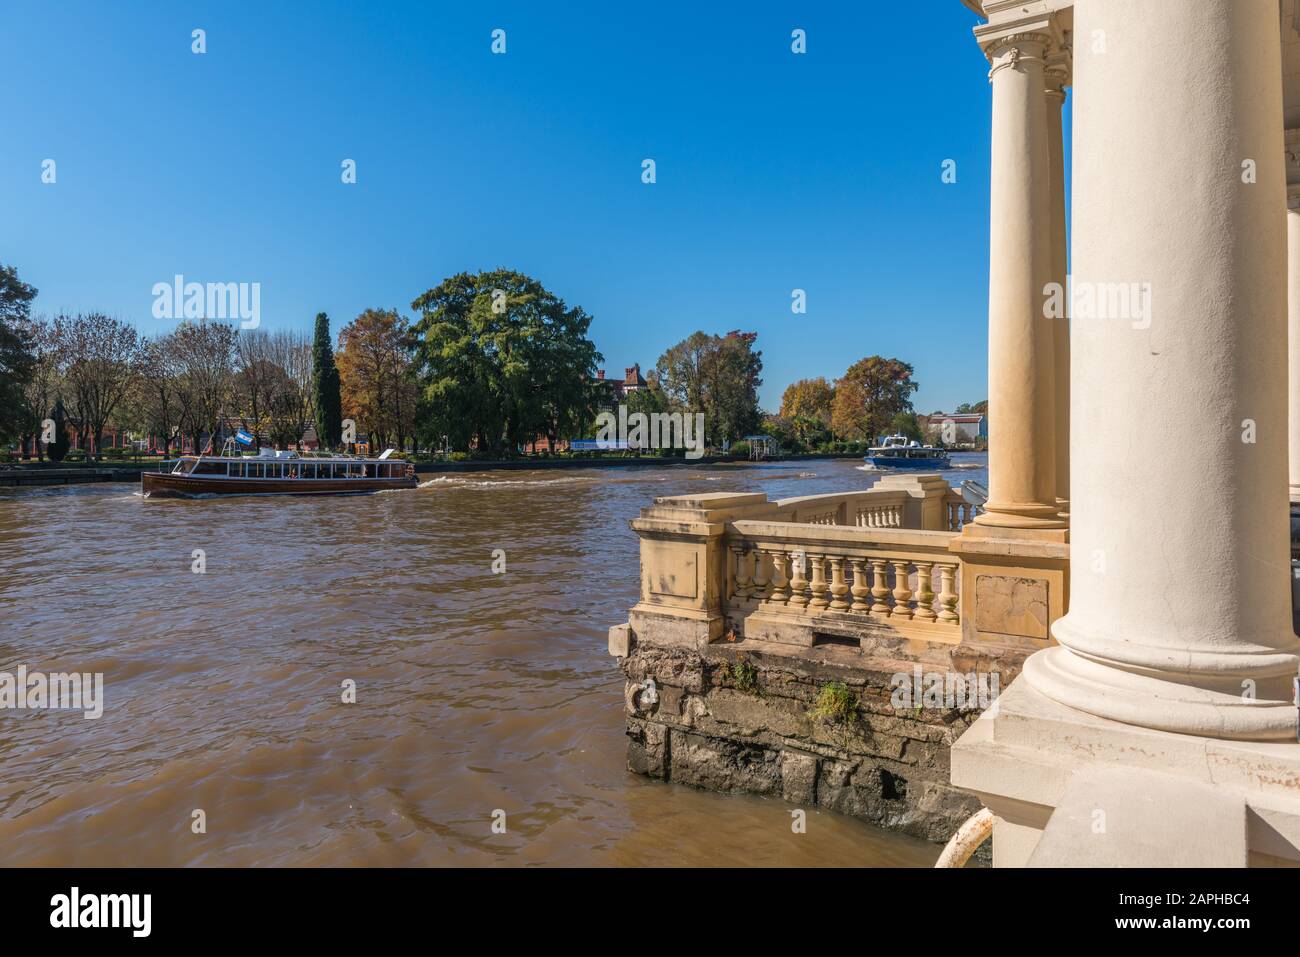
point(47, 473)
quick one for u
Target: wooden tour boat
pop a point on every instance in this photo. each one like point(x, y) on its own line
point(277, 473)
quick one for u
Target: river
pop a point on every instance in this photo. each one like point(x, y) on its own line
point(476, 692)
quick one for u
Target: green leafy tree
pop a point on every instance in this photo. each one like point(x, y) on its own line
point(17, 356)
point(501, 361)
point(906, 423)
point(716, 375)
point(326, 388)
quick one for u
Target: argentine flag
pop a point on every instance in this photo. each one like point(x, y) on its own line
point(243, 438)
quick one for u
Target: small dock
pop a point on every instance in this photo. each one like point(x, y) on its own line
point(61, 476)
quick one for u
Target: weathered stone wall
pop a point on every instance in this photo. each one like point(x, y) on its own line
point(739, 717)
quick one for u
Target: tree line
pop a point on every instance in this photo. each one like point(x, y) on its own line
point(492, 361)
point(873, 398)
point(92, 373)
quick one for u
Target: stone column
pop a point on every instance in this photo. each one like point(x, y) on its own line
point(1179, 615)
point(1293, 305)
point(1022, 464)
point(1058, 78)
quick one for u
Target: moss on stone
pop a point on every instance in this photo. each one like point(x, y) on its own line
point(834, 704)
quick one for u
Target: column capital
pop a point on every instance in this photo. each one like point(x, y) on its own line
point(1058, 70)
point(1007, 42)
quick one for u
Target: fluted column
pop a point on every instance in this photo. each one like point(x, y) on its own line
point(1179, 613)
point(1058, 78)
point(1022, 460)
point(1293, 307)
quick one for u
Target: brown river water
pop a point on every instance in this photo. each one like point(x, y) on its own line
point(475, 692)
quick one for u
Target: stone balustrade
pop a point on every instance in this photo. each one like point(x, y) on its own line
point(872, 508)
point(960, 512)
point(846, 567)
point(801, 584)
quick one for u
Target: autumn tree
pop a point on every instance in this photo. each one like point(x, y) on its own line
point(869, 395)
point(806, 405)
point(377, 376)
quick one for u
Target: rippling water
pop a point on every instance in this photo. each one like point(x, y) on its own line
point(476, 692)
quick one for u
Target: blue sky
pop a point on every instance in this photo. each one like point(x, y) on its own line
point(775, 171)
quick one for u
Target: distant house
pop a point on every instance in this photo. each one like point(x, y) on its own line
point(618, 391)
point(615, 391)
point(966, 428)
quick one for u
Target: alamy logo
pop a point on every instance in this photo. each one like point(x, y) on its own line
point(103, 910)
point(213, 300)
point(36, 691)
point(1128, 301)
point(937, 689)
point(658, 430)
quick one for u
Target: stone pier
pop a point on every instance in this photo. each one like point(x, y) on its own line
point(813, 649)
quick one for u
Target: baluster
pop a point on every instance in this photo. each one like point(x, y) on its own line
point(761, 581)
point(925, 591)
point(860, 589)
point(948, 594)
point(966, 510)
point(839, 587)
point(780, 580)
point(880, 590)
point(818, 586)
point(902, 591)
point(798, 581)
point(740, 583)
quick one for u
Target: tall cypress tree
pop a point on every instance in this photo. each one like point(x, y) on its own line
point(58, 449)
point(325, 387)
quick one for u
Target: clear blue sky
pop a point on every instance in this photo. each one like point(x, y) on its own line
point(775, 171)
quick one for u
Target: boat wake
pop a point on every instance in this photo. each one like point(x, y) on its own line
point(458, 482)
